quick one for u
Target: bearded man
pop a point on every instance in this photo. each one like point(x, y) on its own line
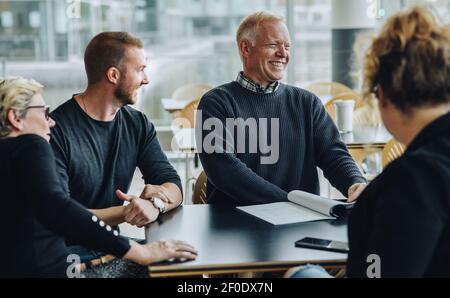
point(100, 140)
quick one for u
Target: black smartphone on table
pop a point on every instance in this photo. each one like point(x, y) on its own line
point(323, 244)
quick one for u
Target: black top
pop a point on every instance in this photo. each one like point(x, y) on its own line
point(308, 139)
point(37, 213)
point(96, 158)
point(403, 216)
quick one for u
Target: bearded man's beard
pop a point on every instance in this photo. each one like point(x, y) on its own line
point(125, 97)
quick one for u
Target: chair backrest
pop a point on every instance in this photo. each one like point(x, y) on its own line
point(190, 92)
point(199, 196)
point(328, 88)
point(367, 115)
point(391, 152)
point(186, 117)
point(358, 155)
point(329, 106)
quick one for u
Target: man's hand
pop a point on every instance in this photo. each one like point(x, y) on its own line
point(355, 190)
point(138, 212)
point(157, 191)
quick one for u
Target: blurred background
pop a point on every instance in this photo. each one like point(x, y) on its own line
point(187, 41)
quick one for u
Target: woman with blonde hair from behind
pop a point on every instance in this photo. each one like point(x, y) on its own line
point(401, 221)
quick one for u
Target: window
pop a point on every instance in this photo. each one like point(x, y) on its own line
point(188, 41)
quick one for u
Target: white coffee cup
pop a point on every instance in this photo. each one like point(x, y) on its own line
point(344, 115)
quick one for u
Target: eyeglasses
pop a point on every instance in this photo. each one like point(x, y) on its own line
point(47, 110)
point(375, 91)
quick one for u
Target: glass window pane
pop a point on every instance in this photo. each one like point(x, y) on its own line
point(187, 41)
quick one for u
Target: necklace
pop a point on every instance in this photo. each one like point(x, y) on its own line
point(84, 104)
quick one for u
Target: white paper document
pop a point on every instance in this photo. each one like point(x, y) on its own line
point(303, 207)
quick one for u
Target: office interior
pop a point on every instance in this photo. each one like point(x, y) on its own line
point(191, 43)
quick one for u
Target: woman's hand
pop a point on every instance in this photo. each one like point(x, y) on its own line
point(160, 251)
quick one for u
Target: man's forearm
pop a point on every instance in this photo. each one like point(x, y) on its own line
point(245, 186)
point(175, 194)
point(111, 216)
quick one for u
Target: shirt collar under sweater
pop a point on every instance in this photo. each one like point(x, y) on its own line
point(255, 87)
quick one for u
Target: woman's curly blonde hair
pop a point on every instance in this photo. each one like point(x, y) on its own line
point(410, 59)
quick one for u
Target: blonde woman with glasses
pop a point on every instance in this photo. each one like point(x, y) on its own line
point(37, 214)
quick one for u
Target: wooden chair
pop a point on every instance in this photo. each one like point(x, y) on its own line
point(367, 114)
point(186, 117)
point(323, 89)
point(362, 111)
point(190, 92)
point(186, 120)
point(329, 106)
point(391, 152)
point(199, 196)
point(359, 155)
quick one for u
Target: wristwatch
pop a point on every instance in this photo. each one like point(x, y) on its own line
point(159, 204)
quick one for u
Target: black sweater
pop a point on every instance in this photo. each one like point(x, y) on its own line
point(308, 139)
point(37, 213)
point(95, 158)
point(403, 216)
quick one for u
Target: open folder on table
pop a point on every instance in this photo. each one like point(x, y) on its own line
point(302, 207)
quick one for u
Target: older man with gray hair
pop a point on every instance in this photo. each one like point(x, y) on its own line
point(299, 129)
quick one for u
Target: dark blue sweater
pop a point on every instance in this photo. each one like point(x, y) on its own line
point(95, 158)
point(308, 139)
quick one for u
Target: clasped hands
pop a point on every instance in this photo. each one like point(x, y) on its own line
point(140, 211)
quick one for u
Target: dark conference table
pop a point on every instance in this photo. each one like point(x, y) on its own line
point(231, 241)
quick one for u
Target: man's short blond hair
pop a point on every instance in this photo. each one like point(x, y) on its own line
point(15, 93)
point(249, 26)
